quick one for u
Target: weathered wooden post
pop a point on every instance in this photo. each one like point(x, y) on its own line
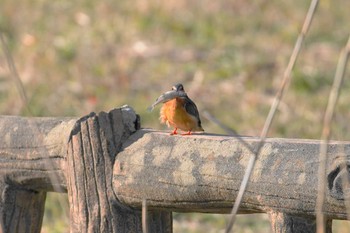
point(93, 145)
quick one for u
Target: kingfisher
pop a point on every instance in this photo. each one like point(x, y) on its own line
point(180, 112)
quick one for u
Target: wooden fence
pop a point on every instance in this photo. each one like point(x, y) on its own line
point(108, 165)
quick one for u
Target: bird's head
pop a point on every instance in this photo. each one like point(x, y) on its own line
point(178, 87)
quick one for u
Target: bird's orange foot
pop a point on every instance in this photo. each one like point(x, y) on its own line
point(188, 133)
point(174, 132)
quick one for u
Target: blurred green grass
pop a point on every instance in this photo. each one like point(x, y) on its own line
point(79, 56)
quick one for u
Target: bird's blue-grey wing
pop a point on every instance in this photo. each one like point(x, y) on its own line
point(191, 108)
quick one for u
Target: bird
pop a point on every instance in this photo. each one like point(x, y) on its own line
point(181, 113)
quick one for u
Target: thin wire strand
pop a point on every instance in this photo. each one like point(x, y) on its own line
point(227, 129)
point(285, 81)
point(326, 132)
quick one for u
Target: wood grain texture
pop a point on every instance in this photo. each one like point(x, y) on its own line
point(202, 173)
point(108, 166)
point(95, 142)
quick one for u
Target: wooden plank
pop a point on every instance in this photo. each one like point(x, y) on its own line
point(202, 173)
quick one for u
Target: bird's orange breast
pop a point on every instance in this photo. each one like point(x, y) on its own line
point(174, 114)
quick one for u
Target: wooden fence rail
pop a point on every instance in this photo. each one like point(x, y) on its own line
point(108, 165)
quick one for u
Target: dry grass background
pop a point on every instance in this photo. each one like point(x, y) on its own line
point(74, 57)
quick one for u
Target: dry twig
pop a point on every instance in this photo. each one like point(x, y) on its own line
point(144, 216)
point(326, 131)
point(285, 81)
